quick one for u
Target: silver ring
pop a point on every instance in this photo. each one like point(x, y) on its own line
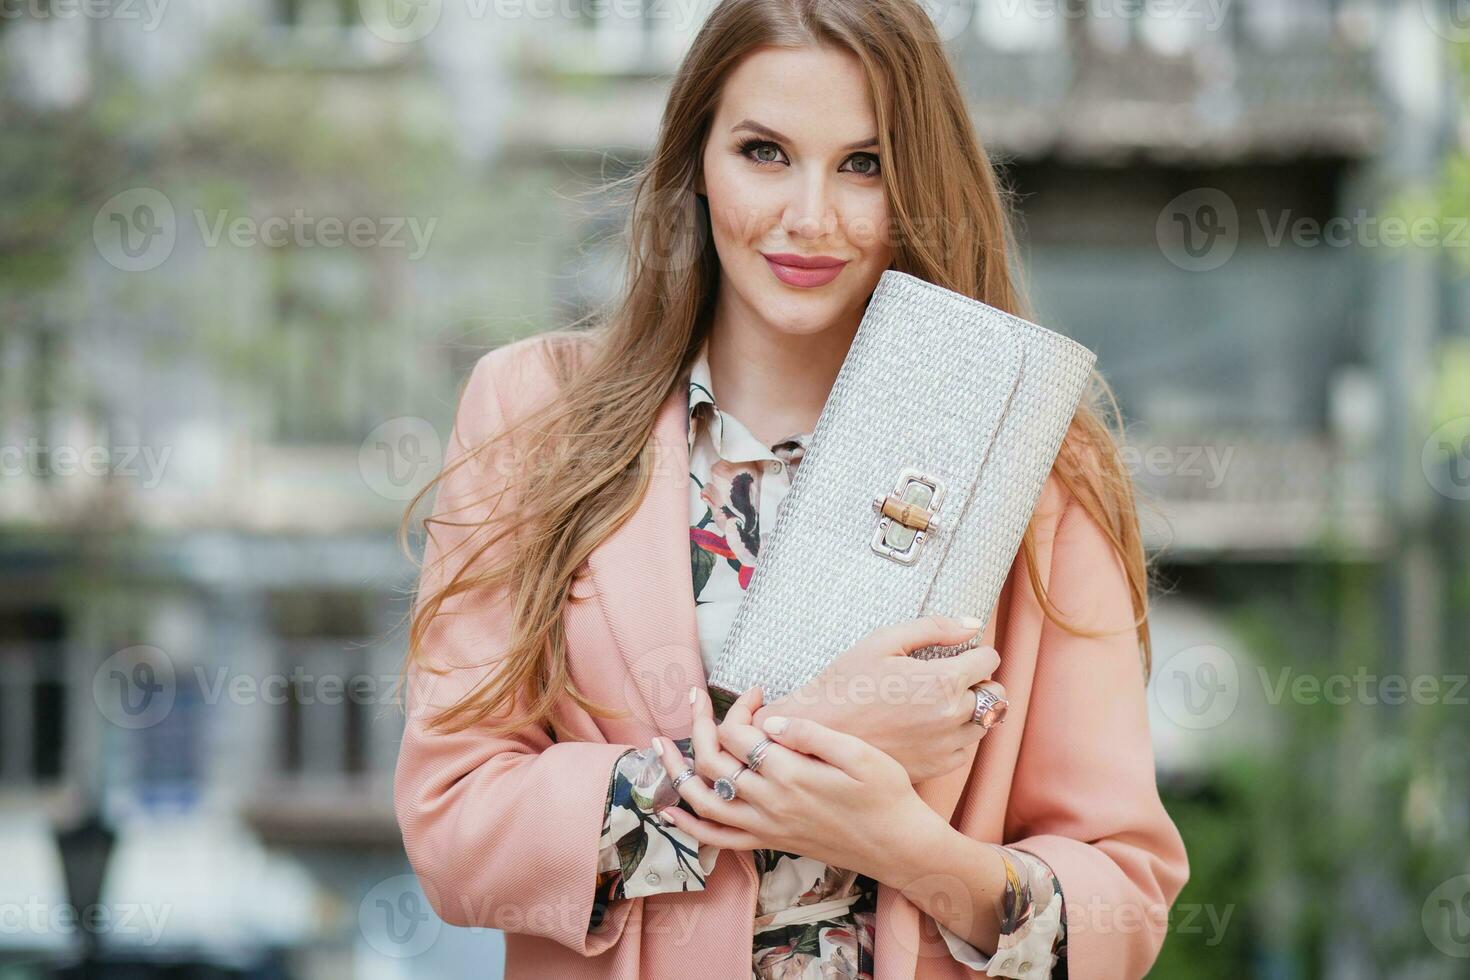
point(990, 708)
point(687, 773)
point(757, 754)
point(725, 785)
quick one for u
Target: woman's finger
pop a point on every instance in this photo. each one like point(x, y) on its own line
point(710, 831)
point(701, 795)
point(906, 636)
point(847, 752)
point(742, 712)
point(710, 758)
point(969, 667)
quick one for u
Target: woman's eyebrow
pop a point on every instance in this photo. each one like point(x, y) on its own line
point(767, 131)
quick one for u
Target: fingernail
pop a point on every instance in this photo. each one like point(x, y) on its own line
point(774, 724)
point(658, 745)
point(693, 694)
point(970, 622)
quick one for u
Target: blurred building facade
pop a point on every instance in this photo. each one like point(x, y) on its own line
point(266, 410)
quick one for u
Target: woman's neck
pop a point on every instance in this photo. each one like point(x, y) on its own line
point(775, 383)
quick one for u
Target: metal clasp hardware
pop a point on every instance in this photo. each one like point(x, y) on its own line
point(907, 516)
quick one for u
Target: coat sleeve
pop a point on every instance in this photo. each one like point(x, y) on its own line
point(501, 830)
point(1085, 797)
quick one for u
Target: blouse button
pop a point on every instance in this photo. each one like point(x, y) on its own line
point(1025, 966)
point(680, 874)
point(774, 466)
point(651, 877)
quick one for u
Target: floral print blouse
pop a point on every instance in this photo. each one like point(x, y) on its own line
point(813, 921)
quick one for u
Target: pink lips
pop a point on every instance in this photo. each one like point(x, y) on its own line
point(804, 270)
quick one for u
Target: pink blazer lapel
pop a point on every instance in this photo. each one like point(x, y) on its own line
point(643, 574)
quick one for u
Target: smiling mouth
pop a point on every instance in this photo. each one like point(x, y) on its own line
point(804, 272)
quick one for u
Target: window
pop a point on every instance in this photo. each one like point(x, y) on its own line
point(331, 685)
point(629, 36)
point(1018, 25)
point(34, 696)
point(325, 370)
point(315, 13)
point(324, 34)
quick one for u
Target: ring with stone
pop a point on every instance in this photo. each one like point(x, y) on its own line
point(990, 708)
point(725, 785)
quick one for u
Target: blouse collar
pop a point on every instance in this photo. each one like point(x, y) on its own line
point(732, 440)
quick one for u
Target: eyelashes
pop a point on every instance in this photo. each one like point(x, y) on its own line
point(747, 148)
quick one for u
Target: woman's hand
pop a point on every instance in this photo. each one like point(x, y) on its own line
point(820, 793)
point(917, 711)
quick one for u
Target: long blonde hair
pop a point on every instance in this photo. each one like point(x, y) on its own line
point(615, 374)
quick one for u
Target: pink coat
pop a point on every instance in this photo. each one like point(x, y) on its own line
point(503, 832)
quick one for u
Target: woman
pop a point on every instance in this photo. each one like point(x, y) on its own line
point(557, 774)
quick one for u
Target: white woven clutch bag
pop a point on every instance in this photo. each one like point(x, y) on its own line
point(916, 487)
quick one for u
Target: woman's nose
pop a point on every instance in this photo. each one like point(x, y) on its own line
point(811, 213)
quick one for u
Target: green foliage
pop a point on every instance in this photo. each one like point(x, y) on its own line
point(1340, 833)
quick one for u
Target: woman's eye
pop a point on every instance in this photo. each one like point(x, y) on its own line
point(869, 163)
point(765, 153)
point(754, 148)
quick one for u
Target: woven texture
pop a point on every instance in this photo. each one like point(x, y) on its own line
point(935, 380)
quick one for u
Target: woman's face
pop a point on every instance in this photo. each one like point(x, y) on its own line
point(792, 173)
